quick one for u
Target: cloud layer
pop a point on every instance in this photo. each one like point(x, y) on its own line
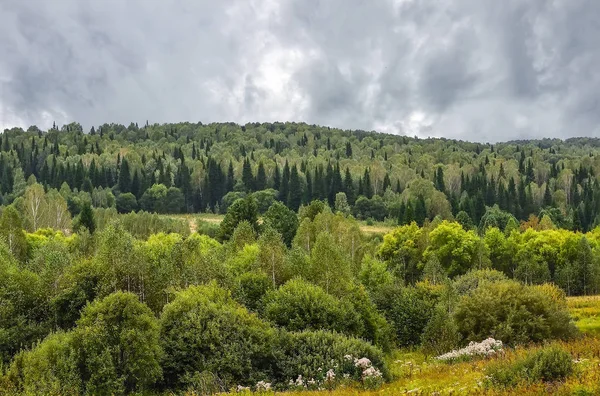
point(480, 70)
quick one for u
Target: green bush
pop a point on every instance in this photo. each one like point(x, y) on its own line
point(204, 227)
point(514, 313)
point(250, 288)
point(312, 353)
point(408, 311)
point(547, 365)
point(204, 330)
point(299, 305)
point(117, 343)
point(50, 368)
point(113, 350)
point(376, 328)
point(24, 310)
point(468, 282)
point(441, 334)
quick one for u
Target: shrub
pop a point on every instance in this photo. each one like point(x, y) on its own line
point(514, 313)
point(468, 282)
point(299, 305)
point(376, 328)
point(548, 364)
point(49, 368)
point(250, 288)
point(113, 350)
point(311, 354)
point(440, 334)
point(205, 330)
point(204, 227)
point(117, 341)
point(407, 309)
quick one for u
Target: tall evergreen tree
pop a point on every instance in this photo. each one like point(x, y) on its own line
point(124, 183)
point(261, 177)
point(247, 176)
point(284, 188)
point(295, 190)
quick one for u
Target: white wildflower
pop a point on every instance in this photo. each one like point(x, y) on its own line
point(263, 386)
point(486, 347)
point(362, 363)
point(371, 372)
point(348, 357)
point(241, 388)
point(330, 375)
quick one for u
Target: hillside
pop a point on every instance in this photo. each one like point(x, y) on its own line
point(191, 168)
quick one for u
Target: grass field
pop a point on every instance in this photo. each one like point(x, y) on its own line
point(586, 313)
point(375, 228)
point(417, 375)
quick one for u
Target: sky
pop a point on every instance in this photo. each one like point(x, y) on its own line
point(479, 70)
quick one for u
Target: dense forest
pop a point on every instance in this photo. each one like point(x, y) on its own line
point(191, 168)
point(100, 293)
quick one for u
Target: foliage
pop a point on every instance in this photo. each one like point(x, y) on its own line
point(547, 365)
point(513, 313)
point(241, 210)
point(298, 305)
point(204, 329)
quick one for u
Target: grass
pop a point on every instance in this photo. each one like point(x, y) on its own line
point(416, 374)
point(586, 313)
point(375, 228)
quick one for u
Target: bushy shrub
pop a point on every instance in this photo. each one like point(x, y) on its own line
point(547, 364)
point(299, 305)
point(113, 350)
point(471, 280)
point(440, 334)
point(514, 313)
point(311, 354)
point(50, 368)
point(117, 343)
point(204, 227)
point(204, 329)
point(250, 288)
point(407, 309)
point(24, 313)
point(376, 328)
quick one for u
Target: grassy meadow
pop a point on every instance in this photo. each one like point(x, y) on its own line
point(416, 374)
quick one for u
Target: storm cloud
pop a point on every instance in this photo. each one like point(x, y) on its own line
point(480, 70)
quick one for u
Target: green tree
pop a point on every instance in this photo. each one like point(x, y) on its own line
point(271, 257)
point(204, 330)
point(11, 230)
point(283, 220)
point(86, 218)
point(126, 203)
point(241, 210)
point(119, 341)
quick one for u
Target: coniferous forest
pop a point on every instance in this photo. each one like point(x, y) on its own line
point(192, 168)
point(113, 281)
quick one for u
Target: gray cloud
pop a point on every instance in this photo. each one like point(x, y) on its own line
point(469, 69)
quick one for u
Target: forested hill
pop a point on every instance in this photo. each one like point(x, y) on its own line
point(189, 167)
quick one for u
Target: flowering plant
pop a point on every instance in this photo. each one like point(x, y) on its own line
point(487, 347)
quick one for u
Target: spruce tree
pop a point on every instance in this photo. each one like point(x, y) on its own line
point(230, 178)
point(284, 188)
point(124, 182)
point(261, 178)
point(295, 190)
point(86, 217)
point(247, 176)
point(349, 187)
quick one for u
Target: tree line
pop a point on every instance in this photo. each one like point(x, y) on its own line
point(191, 168)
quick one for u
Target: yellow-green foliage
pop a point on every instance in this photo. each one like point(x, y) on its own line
point(586, 313)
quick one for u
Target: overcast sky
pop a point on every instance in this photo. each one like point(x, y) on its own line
point(485, 70)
